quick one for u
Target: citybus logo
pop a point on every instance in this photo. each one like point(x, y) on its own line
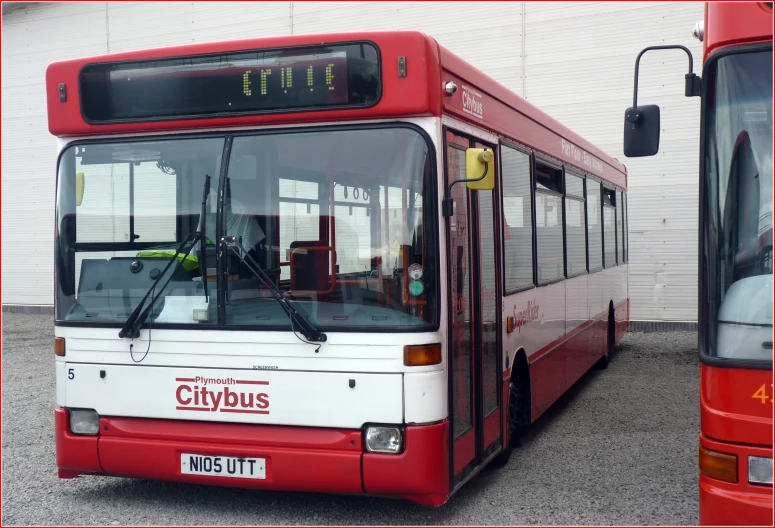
point(226, 395)
point(472, 102)
point(525, 316)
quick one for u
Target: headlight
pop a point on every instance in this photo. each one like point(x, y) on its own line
point(384, 440)
point(759, 470)
point(84, 422)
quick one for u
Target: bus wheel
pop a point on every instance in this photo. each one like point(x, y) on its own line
point(515, 431)
point(611, 345)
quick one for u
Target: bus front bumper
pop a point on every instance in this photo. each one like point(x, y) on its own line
point(297, 458)
point(735, 504)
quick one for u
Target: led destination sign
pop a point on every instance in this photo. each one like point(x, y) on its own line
point(252, 82)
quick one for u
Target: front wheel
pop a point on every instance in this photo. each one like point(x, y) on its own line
point(515, 431)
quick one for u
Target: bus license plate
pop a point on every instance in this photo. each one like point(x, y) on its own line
point(222, 466)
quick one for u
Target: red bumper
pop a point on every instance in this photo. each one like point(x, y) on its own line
point(297, 458)
point(724, 503)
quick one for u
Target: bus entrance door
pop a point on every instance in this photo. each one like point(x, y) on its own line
point(475, 409)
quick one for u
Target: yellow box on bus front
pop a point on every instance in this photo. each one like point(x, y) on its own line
point(480, 169)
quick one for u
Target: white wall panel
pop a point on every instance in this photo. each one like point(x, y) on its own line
point(578, 62)
point(143, 25)
point(33, 37)
point(579, 68)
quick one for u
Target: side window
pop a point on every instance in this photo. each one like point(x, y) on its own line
point(549, 240)
point(620, 226)
point(594, 232)
point(609, 227)
point(575, 227)
point(517, 219)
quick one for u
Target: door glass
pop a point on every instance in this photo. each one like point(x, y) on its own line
point(489, 329)
point(460, 274)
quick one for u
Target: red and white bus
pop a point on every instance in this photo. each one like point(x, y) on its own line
point(266, 278)
point(735, 264)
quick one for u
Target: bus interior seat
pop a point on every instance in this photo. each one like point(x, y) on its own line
point(310, 269)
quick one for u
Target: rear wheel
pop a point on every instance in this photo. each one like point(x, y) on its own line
point(515, 430)
point(611, 344)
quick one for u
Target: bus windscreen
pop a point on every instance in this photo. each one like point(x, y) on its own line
point(251, 82)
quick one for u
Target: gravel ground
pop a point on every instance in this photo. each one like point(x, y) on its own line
point(620, 448)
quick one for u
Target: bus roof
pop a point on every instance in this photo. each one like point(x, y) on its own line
point(479, 99)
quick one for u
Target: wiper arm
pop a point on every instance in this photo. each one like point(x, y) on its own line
point(308, 330)
point(138, 315)
point(203, 237)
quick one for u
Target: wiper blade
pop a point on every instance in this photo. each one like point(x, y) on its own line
point(308, 330)
point(138, 315)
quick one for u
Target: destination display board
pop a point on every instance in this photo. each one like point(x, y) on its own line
point(250, 82)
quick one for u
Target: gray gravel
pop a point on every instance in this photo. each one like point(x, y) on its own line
point(619, 448)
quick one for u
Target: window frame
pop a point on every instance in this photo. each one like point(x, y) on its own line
point(599, 182)
point(550, 162)
point(569, 169)
point(228, 136)
point(531, 177)
point(620, 214)
point(613, 189)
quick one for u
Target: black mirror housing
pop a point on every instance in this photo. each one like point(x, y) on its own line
point(641, 131)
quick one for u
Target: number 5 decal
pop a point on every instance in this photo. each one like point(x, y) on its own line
point(70, 374)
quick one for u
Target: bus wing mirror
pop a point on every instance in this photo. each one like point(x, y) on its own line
point(641, 131)
point(79, 183)
point(480, 169)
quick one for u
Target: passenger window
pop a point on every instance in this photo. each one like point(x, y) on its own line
point(609, 227)
point(517, 220)
point(549, 240)
point(575, 228)
point(594, 233)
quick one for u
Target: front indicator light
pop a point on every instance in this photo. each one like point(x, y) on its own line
point(84, 422)
point(384, 440)
point(759, 470)
point(720, 466)
point(419, 355)
point(59, 346)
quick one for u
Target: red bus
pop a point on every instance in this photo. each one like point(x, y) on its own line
point(349, 263)
point(735, 264)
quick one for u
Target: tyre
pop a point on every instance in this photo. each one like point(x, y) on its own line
point(602, 363)
point(515, 431)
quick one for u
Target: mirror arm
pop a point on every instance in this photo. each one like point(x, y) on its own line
point(446, 204)
point(692, 84)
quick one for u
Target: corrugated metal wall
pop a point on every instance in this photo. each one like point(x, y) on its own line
point(573, 60)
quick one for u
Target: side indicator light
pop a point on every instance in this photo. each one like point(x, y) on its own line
point(418, 355)
point(720, 466)
point(510, 323)
point(59, 346)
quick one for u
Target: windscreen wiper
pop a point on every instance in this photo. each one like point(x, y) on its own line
point(131, 328)
point(308, 330)
point(203, 237)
